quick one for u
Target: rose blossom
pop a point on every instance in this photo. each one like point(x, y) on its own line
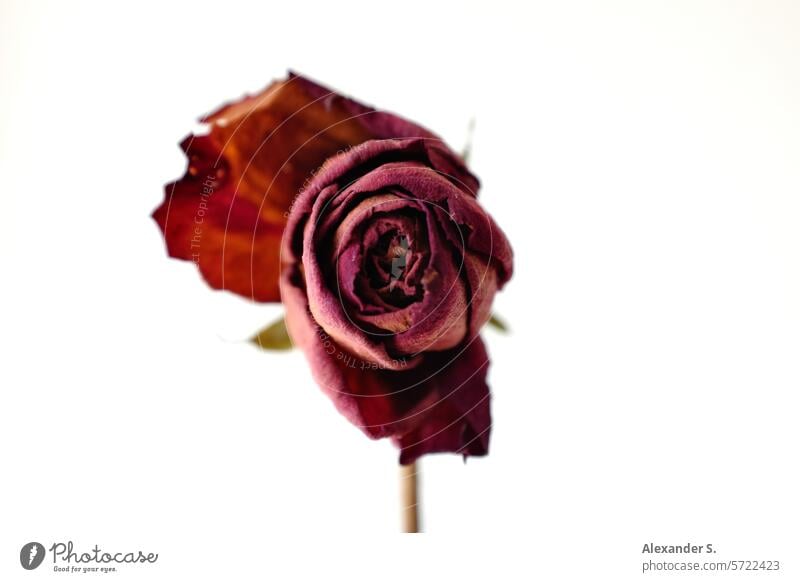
point(389, 269)
point(366, 226)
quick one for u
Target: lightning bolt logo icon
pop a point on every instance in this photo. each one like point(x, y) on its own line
point(31, 555)
point(399, 262)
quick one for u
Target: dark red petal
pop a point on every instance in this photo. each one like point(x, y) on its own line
point(458, 420)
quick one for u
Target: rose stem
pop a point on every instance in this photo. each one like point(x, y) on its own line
point(409, 497)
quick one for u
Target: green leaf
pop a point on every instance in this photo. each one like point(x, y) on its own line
point(273, 337)
point(498, 323)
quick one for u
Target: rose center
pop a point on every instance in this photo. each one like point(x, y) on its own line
point(387, 266)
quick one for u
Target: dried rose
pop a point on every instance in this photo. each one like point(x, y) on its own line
point(388, 264)
point(390, 268)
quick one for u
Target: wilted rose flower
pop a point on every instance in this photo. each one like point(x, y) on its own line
point(388, 265)
point(390, 268)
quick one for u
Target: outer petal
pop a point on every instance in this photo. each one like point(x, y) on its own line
point(224, 235)
point(457, 420)
point(258, 153)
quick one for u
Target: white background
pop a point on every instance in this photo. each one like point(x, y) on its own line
point(643, 159)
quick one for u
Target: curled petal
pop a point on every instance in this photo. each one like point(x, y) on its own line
point(457, 419)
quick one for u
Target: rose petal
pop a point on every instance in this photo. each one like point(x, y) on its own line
point(459, 418)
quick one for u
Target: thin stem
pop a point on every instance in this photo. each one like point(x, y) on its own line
point(409, 497)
